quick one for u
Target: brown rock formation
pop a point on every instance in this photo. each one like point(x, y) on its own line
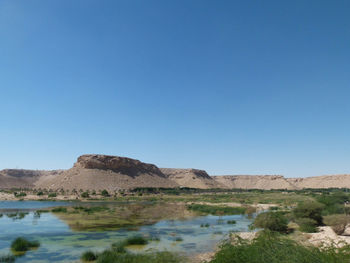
point(98, 172)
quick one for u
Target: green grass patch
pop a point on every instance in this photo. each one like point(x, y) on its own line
point(216, 210)
point(307, 225)
point(52, 195)
point(22, 245)
point(59, 210)
point(118, 254)
point(136, 240)
point(275, 248)
point(88, 256)
point(273, 221)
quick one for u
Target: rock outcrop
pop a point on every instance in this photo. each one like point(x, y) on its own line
point(192, 178)
point(98, 172)
point(117, 164)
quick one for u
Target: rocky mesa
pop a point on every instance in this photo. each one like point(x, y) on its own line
point(98, 172)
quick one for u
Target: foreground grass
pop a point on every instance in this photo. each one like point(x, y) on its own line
point(118, 254)
point(274, 248)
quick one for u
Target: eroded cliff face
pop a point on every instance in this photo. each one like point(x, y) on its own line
point(98, 172)
point(123, 165)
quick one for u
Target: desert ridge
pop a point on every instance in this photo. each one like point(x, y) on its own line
point(98, 172)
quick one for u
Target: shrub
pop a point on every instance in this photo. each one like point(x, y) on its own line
point(232, 222)
point(136, 240)
point(21, 194)
point(88, 256)
point(40, 193)
point(216, 210)
point(333, 202)
point(105, 193)
point(179, 239)
point(51, 195)
point(93, 209)
point(307, 225)
point(119, 247)
point(312, 210)
point(337, 222)
point(274, 221)
point(274, 248)
point(21, 244)
point(85, 195)
point(59, 210)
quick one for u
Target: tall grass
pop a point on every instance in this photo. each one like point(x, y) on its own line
point(136, 240)
point(110, 256)
point(271, 247)
point(118, 254)
point(21, 244)
point(216, 210)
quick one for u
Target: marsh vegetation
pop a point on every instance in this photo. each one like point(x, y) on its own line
point(214, 214)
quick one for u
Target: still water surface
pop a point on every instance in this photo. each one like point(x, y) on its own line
point(59, 243)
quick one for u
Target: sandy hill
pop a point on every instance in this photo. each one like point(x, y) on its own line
point(324, 181)
point(19, 178)
point(98, 172)
point(265, 182)
point(192, 178)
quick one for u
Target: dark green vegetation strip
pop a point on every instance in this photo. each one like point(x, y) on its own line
point(274, 248)
point(216, 210)
point(117, 253)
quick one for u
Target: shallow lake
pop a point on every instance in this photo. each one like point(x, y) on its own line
point(60, 243)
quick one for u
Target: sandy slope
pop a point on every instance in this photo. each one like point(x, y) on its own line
point(94, 179)
point(98, 172)
point(192, 178)
point(254, 181)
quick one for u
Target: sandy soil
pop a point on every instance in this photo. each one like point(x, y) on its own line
point(259, 207)
point(326, 237)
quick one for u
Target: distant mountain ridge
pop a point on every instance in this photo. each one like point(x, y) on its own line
point(98, 172)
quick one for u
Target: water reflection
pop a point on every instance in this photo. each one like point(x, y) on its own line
point(59, 243)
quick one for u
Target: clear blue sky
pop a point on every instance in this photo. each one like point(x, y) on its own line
point(232, 87)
